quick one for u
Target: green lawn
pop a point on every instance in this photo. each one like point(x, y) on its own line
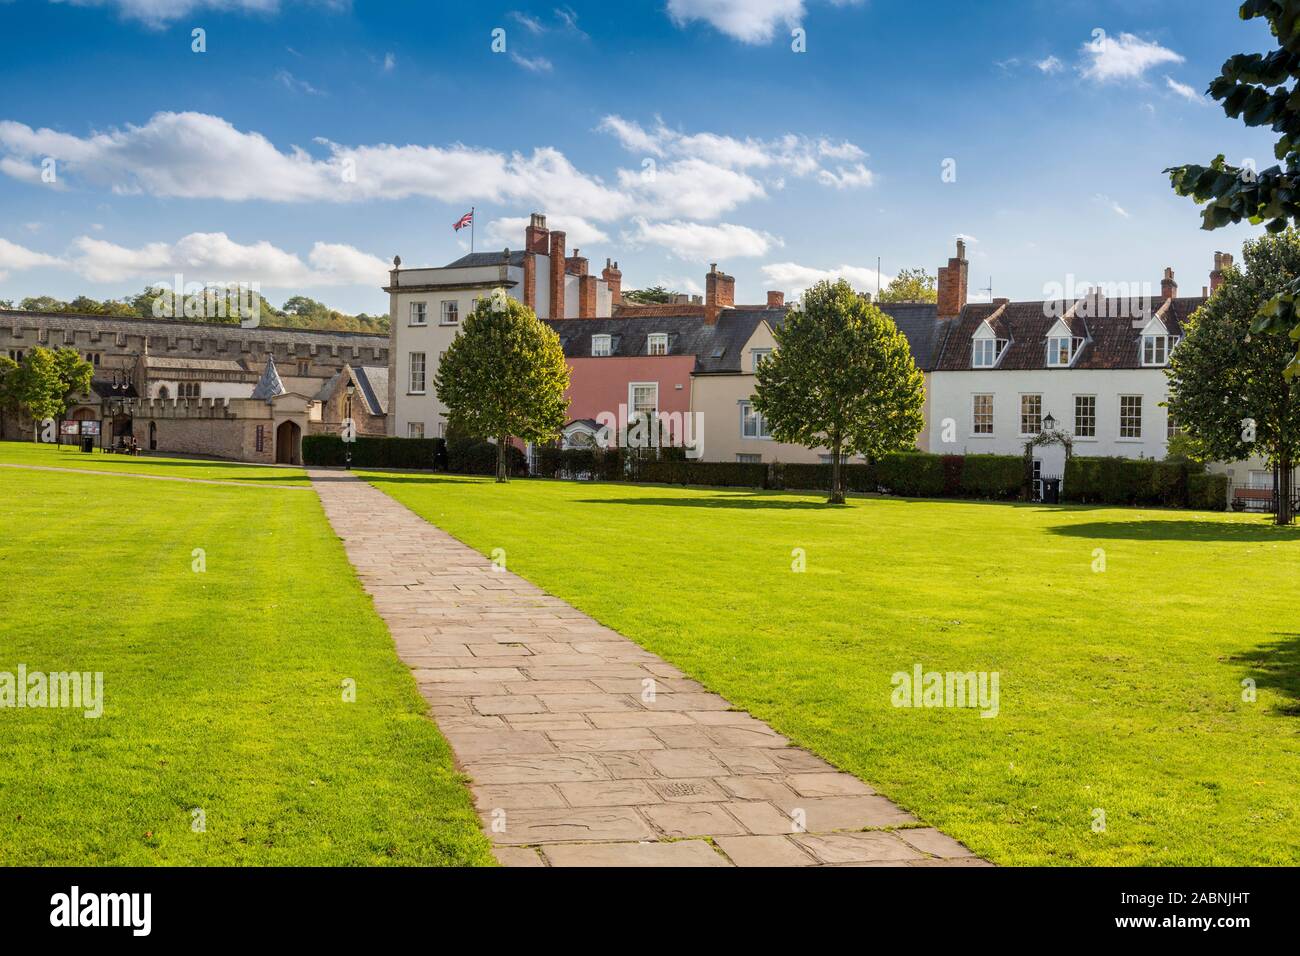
point(222, 689)
point(53, 456)
point(1120, 691)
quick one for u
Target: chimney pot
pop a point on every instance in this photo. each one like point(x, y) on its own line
point(952, 284)
point(775, 300)
point(1168, 287)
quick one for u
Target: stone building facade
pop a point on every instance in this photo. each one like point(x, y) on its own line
point(189, 387)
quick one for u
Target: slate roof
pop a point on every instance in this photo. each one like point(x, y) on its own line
point(920, 325)
point(1111, 340)
point(486, 259)
point(269, 385)
point(717, 348)
point(373, 380)
point(103, 387)
point(199, 364)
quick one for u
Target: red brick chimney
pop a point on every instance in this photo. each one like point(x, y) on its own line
point(576, 265)
point(952, 283)
point(536, 234)
point(1168, 287)
point(775, 300)
point(614, 279)
point(530, 280)
point(1222, 260)
point(586, 296)
point(719, 293)
point(557, 274)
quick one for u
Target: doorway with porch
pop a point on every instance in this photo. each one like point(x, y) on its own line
point(288, 444)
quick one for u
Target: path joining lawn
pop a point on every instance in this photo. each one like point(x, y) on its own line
point(54, 456)
point(1121, 639)
point(223, 689)
point(584, 749)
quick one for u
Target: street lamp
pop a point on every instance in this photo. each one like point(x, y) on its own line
point(347, 418)
point(1049, 423)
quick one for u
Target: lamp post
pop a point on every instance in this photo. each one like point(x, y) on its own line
point(347, 422)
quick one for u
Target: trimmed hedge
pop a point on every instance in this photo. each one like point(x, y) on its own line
point(992, 476)
point(912, 475)
point(597, 464)
point(859, 478)
point(726, 474)
point(375, 452)
point(476, 456)
point(1128, 481)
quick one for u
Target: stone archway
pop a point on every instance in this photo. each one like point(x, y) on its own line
point(288, 443)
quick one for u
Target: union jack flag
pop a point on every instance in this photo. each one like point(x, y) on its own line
point(464, 221)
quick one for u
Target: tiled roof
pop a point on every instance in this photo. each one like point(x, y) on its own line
point(920, 325)
point(373, 380)
point(716, 347)
point(486, 259)
point(1112, 338)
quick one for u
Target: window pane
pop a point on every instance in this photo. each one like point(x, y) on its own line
point(1031, 414)
point(1130, 416)
point(1085, 416)
point(982, 414)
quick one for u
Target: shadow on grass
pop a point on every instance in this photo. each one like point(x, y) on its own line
point(413, 478)
point(1276, 665)
point(745, 502)
point(1189, 529)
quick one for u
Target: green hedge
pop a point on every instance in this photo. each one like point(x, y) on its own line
point(912, 475)
point(374, 452)
point(992, 476)
point(476, 456)
point(1128, 481)
point(727, 474)
point(599, 463)
point(1207, 492)
point(858, 477)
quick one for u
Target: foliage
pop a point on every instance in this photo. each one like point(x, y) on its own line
point(1253, 87)
point(504, 376)
point(654, 295)
point(721, 474)
point(1133, 481)
point(841, 378)
point(604, 464)
point(375, 452)
point(910, 285)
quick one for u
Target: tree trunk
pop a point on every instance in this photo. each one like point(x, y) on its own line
point(837, 486)
point(1284, 489)
point(503, 471)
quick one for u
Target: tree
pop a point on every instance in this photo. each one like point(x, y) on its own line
point(1225, 385)
point(655, 295)
point(504, 376)
point(74, 375)
point(911, 285)
point(1253, 87)
point(9, 380)
point(842, 377)
point(38, 388)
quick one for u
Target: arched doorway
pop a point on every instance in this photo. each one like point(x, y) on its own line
point(153, 436)
point(288, 436)
point(163, 394)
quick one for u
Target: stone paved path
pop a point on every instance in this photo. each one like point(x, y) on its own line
point(583, 748)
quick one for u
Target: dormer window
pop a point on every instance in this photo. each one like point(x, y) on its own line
point(1060, 351)
point(657, 343)
point(600, 345)
point(1155, 349)
point(984, 353)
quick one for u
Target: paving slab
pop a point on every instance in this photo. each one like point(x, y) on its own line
point(584, 749)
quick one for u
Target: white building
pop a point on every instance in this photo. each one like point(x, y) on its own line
point(1095, 366)
point(426, 307)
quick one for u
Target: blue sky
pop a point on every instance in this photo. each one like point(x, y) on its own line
point(312, 141)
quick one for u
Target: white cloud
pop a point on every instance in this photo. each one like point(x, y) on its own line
point(694, 240)
point(846, 177)
point(390, 62)
point(1126, 58)
point(296, 85)
point(215, 257)
point(689, 187)
point(508, 231)
point(1111, 204)
point(159, 13)
point(537, 64)
point(14, 257)
point(1050, 64)
point(794, 278)
point(749, 21)
point(1186, 92)
point(529, 23)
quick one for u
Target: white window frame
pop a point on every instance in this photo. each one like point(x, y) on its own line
point(1141, 411)
point(748, 414)
point(410, 374)
point(631, 396)
point(656, 343)
point(443, 310)
point(975, 415)
point(419, 313)
point(1025, 396)
point(748, 458)
point(978, 350)
point(596, 345)
point(756, 356)
point(1092, 435)
point(1157, 343)
point(413, 427)
point(1054, 347)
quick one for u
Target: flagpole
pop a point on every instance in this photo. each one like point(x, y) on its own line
point(471, 228)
